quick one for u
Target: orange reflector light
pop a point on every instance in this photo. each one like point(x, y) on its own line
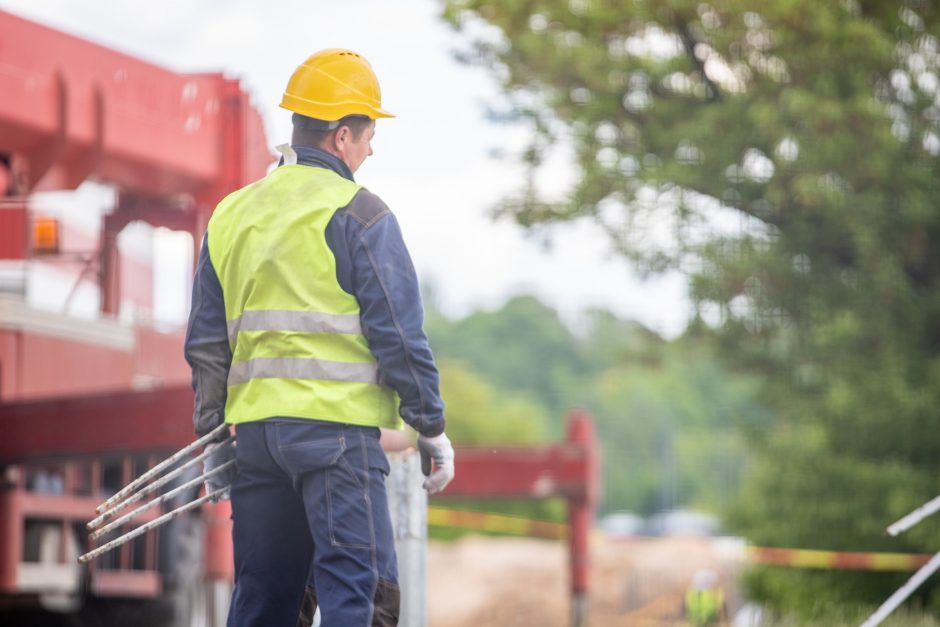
point(45, 236)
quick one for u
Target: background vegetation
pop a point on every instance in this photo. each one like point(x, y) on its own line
point(783, 154)
point(668, 416)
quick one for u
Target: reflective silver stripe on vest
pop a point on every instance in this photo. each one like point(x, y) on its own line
point(286, 320)
point(290, 368)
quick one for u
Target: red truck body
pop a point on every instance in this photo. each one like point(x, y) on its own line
point(87, 403)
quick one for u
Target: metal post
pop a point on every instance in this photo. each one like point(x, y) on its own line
point(903, 592)
point(927, 509)
point(408, 503)
point(579, 520)
point(581, 434)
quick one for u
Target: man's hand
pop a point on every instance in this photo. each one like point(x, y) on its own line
point(223, 454)
point(439, 450)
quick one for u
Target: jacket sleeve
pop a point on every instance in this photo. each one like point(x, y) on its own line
point(207, 347)
point(392, 315)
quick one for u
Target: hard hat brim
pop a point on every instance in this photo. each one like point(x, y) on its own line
point(331, 111)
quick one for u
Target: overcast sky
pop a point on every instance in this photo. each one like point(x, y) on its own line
point(433, 163)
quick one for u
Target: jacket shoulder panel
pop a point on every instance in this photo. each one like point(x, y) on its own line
point(366, 208)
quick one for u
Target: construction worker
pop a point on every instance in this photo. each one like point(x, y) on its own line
point(704, 601)
point(306, 334)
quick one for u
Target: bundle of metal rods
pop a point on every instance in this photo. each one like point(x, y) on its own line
point(149, 483)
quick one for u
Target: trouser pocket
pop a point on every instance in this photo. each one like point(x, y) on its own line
point(348, 501)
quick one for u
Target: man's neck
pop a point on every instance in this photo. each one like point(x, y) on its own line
point(318, 157)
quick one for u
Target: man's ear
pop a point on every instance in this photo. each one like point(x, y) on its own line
point(341, 137)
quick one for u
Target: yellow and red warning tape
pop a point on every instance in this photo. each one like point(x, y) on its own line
point(796, 558)
point(836, 560)
point(496, 523)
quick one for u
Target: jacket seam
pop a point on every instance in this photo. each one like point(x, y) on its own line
point(401, 333)
point(202, 409)
point(365, 223)
point(199, 302)
point(378, 217)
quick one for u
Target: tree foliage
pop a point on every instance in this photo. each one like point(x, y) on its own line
point(477, 413)
point(785, 154)
point(666, 412)
point(523, 346)
point(671, 429)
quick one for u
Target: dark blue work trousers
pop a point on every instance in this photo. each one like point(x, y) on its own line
point(309, 505)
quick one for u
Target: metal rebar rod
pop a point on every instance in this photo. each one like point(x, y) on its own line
point(131, 487)
point(922, 512)
point(140, 494)
point(130, 535)
point(159, 500)
point(903, 592)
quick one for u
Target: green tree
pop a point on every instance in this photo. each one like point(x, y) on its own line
point(785, 153)
point(523, 347)
point(666, 412)
point(479, 414)
point(670, 426)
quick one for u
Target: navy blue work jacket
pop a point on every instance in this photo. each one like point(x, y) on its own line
point(373, 265)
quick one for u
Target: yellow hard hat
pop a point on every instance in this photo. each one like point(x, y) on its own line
point(332, 84)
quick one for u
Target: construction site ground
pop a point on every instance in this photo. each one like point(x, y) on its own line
point(504, 582)
point(519, 581)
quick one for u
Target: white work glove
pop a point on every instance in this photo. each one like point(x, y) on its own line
point(441, 452)
point(222, 454)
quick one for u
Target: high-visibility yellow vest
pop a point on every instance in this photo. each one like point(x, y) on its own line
point(703, 607)
point(297, 345)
